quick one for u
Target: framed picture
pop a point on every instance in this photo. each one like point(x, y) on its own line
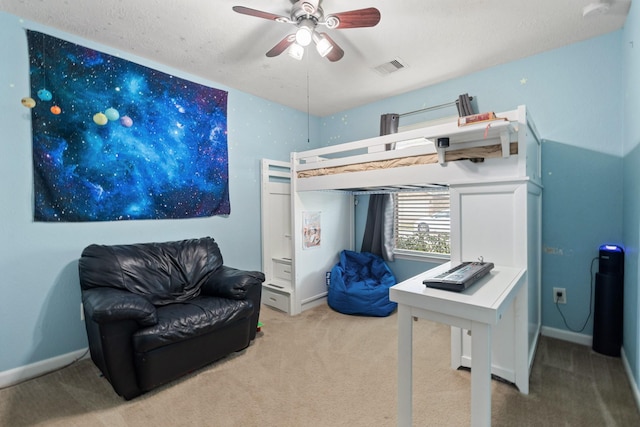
point(311, 231)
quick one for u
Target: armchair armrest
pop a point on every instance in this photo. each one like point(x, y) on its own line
point(104, 305)
point(229, 282)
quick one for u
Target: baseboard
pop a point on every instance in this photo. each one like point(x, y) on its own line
point(632, 381)
point(23, 373)
point(314, 301)
point(565, 335)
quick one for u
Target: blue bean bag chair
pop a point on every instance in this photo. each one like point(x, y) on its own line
point(359, 284)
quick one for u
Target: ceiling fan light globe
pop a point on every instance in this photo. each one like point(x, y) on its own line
point(303, 36)
point(296, 51)
point(324, 49)
point(323, 46)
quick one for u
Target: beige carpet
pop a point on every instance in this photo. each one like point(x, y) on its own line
point(322, 368)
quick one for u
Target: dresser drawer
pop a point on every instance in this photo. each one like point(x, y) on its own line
point(282, 270)
point(275, 299)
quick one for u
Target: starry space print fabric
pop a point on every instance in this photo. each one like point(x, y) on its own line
point(114, 140)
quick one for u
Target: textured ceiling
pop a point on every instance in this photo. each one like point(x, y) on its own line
point(436, 39)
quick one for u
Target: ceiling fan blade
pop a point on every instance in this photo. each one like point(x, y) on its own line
point(260, 14)
point(281, 46)
point(336, 53)
point(359, 18)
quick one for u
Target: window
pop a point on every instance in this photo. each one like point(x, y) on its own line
point(422, 221)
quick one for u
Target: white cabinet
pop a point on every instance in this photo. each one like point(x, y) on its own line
point(500, 222)
point(278, 289)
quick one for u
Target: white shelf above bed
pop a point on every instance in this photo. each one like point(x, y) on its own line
point(477, 134)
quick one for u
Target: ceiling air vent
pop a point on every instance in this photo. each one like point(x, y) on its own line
point(390, 67)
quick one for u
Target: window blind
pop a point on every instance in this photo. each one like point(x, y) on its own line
point(422, 220)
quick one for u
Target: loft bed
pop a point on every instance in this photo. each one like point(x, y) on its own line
point(493, 170)
point(508, 147)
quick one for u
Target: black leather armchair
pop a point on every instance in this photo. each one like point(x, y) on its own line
point(157, 311)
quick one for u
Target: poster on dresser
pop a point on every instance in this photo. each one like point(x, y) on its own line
point(311, 230)
point(114, 140)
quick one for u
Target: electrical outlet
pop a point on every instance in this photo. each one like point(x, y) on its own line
point(560, 295)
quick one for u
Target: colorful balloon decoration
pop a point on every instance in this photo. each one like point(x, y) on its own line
point(55, 110)
point(112, 114)
point(100, 119)
point(126, 121)
point(44, 95)
point(28, 102)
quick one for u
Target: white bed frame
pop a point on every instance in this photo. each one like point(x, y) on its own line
point(483, 134)
point(495, 213)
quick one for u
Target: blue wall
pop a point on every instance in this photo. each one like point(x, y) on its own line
point(580, 213)
point(631, 101)
point(40, 304)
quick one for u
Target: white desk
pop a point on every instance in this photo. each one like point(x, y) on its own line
point(476, 309)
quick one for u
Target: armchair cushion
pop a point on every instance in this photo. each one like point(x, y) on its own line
point(162, 272)
point(178, 322)
point(229, 282)
point(104, 305)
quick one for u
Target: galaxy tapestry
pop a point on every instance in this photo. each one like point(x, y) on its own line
point(114, 140)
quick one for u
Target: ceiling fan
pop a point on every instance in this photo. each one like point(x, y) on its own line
point(306, 15)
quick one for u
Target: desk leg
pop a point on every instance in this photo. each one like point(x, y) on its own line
point(405, 365)
point(480, 374)
point(521, 343)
